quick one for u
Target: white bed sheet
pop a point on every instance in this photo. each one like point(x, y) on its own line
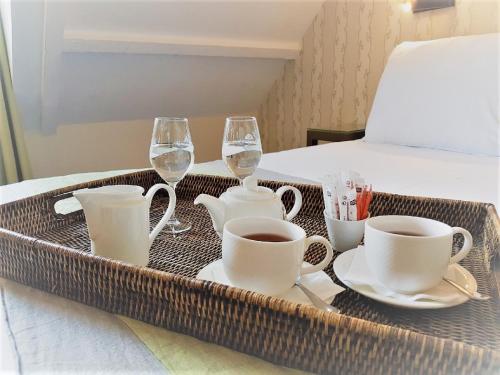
point(396, 169)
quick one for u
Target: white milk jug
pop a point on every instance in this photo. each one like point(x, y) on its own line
point(118, 220)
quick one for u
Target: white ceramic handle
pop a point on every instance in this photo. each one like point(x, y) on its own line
point(324, 263)
point(170, 210)
point(298, 200)
point(465, 248)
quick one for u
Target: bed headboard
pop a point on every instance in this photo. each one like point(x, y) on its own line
point(316, 135)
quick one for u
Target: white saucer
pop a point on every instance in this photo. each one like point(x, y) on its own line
point(318, 282)
point(458, 274)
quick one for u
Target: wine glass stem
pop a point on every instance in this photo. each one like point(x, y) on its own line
point(173, 219)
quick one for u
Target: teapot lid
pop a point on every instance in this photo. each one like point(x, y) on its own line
point(250, 191)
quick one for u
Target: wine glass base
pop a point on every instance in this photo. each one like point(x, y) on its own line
point(176, 227)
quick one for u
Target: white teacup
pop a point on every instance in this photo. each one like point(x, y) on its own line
point(411, 254)
point(267, 267)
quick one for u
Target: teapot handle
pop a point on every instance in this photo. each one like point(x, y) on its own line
point(298, 200)
point(170, 210)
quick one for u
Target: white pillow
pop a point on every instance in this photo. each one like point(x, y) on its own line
point(440, 94)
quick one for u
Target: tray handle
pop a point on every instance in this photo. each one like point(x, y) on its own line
point(62, 216)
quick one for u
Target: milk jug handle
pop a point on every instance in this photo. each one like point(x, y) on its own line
point(170, 210)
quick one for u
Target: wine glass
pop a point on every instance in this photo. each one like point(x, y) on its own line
point(241, 148)
point(172, 156)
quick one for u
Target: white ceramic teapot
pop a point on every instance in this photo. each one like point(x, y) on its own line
point(248, 200)
point(118, 220)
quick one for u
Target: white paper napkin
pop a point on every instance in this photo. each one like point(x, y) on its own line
point(319, 283)
point(359, 274)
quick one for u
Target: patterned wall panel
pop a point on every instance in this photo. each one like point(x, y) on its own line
point(332, 82)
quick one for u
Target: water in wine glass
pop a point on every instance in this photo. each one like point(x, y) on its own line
point(172, 161)
point(241, 157)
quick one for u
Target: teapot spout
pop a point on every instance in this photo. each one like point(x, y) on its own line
point(216, 208)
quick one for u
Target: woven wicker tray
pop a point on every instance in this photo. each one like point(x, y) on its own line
point(49, 251)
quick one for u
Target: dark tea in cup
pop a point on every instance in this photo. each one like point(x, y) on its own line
point(267, 237)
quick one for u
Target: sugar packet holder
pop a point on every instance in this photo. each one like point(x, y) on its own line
point(346, 196)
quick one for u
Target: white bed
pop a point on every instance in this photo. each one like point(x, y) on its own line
point(397, 169)
point(433, 96)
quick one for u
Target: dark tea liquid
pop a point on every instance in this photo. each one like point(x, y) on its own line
point(403, 233)
point(267, 237)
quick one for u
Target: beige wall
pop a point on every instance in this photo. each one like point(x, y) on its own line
point(331, 85)
point(90, 147)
